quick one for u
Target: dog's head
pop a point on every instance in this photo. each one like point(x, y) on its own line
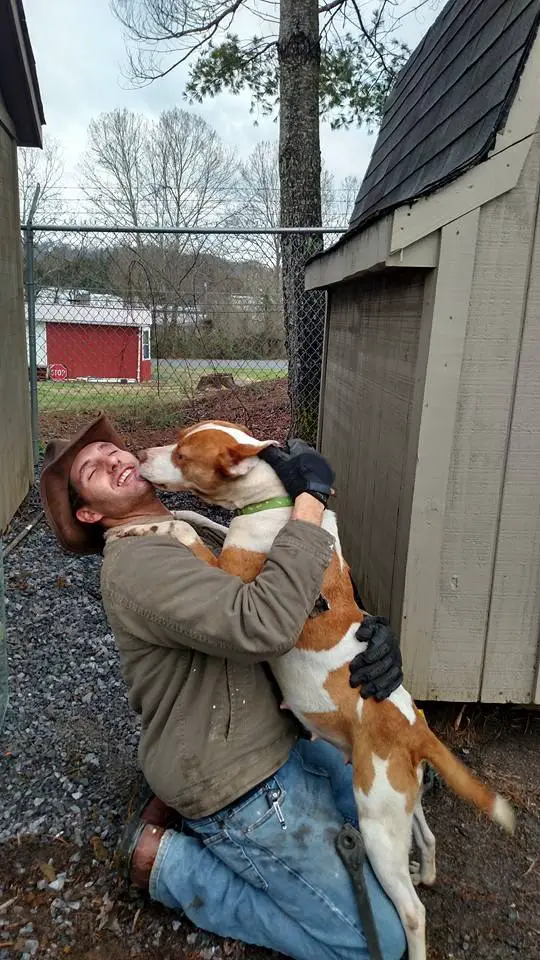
point(207, 459)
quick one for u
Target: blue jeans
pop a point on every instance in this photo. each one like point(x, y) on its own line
point(243, 875)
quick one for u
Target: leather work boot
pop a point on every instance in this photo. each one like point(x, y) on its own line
point(139, 841)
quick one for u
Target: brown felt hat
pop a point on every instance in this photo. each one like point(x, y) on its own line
point(73, 535)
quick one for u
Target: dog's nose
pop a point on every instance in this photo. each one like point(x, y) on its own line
point(142, 456)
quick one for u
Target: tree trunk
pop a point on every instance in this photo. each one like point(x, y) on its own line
point(300, 188)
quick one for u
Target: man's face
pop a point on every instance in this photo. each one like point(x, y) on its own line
point(109, 482)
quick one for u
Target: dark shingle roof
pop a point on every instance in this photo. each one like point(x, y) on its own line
point(449, 101)
point(18, 78)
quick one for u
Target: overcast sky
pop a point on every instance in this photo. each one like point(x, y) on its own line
point(80, 57)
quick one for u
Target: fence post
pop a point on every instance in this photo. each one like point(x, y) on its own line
point(31, 302)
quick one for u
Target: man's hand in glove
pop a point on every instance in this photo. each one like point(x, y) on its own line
point(301, 470)
point(378, 669)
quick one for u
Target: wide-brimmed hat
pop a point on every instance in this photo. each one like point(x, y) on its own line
point(73, 535)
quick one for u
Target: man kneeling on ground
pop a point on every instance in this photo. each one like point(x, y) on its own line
point(242, 837)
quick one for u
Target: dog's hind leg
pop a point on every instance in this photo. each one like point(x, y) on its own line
point(388, 854)
point(425, 841)
point(386, 828)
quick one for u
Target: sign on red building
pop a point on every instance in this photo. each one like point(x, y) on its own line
point(57, 371)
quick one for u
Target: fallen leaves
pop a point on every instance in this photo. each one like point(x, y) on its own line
point(48, 871)
point(100, 850)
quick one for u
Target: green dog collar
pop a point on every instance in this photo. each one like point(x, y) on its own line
point(270, 504)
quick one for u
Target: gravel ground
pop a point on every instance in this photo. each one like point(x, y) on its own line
point(68, 770)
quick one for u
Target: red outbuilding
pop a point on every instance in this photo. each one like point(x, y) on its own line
point(92, 337)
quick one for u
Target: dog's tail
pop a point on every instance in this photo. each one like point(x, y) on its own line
point(465, 784)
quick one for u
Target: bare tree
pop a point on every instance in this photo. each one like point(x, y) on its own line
point(191, 174)
point(259, 189)
point(113, 170)
point(173, 173)
point(45, 167)
point(338, 199)
point(259, 183)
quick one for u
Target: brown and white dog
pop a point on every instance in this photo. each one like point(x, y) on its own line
point(386, 742)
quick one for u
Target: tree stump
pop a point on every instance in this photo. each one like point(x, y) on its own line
point(221, 381)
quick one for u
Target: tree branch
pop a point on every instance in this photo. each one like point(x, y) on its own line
point(331, 6)
point(156, 75)
point(204, 27)
point(366, 33)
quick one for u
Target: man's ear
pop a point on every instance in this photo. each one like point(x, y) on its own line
point(86, 515)
point(239, 460)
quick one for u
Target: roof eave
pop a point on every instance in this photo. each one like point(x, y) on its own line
point(18, 78)
point(368, 251)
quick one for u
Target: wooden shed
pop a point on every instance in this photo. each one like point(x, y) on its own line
point(430, 406)
point(21, 117)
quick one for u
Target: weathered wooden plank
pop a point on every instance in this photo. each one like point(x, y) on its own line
point(16, 470)
point(324, 360)
point(372, 342)
point(411, 455)
point(480, 438)
point(512, 647)
point(440, 397)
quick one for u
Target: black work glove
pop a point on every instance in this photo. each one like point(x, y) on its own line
point(301, 469)
point(378, 670)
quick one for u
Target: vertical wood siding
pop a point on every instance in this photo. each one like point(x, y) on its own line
point(477, 465)
point(15, 442)
point(372, 346)
point(512, 650)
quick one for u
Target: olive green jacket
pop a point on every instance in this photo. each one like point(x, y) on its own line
point(193, 642)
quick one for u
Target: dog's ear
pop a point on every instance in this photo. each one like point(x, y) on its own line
point(238, 460)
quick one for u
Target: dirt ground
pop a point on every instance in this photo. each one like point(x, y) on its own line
point(485, 903)
point(264, 408)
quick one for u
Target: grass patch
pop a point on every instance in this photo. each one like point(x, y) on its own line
point(174, 385)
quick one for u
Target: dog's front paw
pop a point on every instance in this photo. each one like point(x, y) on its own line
point(181, 531)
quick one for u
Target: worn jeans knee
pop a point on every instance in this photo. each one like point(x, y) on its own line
point(266, 871)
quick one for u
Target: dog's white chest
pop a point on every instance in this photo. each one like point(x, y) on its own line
point(302, 674)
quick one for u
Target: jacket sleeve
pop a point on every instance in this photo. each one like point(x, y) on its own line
point(161, 593)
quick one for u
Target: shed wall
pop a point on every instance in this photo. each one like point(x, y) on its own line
point(490, 488)
point(16, 472)
point(371, 362)
point(94, 350)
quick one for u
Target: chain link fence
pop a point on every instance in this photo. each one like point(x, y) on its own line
point(162, 327)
